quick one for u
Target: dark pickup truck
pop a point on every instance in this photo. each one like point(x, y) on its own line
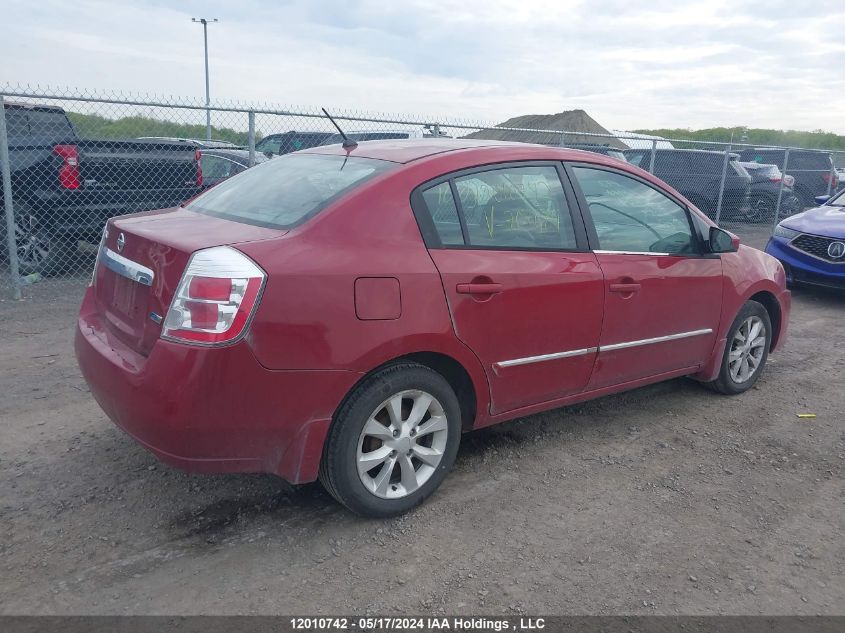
point(64, 187)
point(697, 174)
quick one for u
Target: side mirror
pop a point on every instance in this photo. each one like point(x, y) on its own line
point(721, 241)
point(820, 200)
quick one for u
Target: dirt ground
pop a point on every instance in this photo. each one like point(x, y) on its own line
point(668, 499)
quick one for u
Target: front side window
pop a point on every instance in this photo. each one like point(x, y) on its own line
point(286, 191)
point(516, 207)
point(631, 216)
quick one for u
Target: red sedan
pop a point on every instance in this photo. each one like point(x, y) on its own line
point(345, 314)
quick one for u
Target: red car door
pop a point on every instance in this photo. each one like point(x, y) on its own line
point(523, 291)
point(663, 296)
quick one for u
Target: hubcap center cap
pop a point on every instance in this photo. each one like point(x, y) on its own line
point(404, 444)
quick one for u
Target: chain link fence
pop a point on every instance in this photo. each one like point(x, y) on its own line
point(71, 160)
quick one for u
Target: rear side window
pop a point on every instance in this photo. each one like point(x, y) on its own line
point(444, 213)
point(50, 126)
point(814, 161)
point(17, 123)
point(288, 190)
point(503, 209)
point(763, 156)
point(269, 145)
point(217, 167)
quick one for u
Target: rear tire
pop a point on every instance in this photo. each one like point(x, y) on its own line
point(404, 422)
point(39, 250)
point(746, 350)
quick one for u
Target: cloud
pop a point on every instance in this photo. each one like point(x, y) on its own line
point(763, 63)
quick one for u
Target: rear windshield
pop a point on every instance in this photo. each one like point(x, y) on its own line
point(288, 190)
point(769, 171)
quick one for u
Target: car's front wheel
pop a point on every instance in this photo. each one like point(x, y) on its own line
point(393, 441)
point(746, 350)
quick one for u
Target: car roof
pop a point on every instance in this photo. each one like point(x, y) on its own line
point(32, 106)
point(406, 150)
point(294, 132)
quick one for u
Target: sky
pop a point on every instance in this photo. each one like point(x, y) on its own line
point(630, 65)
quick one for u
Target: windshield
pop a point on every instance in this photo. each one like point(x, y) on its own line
point(286, 191)
point(838, 200)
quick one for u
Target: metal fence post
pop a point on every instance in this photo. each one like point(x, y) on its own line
point(722, 182)
point(780, 189)
point(436, 130)
point(832, 175)
point(651, 160)
point(251, 138)
point(11, 238)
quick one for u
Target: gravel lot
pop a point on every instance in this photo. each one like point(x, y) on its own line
point(667, 499)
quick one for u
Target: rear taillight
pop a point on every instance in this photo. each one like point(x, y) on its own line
point(69, 169)
point(774, 179)
point(198, 159)
point(216, 298)
point(833, 179)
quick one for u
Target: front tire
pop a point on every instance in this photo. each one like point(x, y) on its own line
point(746, 350)
point(393, 441)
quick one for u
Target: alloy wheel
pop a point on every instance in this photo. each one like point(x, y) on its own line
point(33, 246)
point(402, 444)
point(747, 349)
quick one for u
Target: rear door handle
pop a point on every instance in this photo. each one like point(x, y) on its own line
point(479, 289)
point(625, 288)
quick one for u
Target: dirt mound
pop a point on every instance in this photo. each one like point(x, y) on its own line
point(572, 121)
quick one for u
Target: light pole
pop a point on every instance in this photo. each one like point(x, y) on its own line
point(204, 23)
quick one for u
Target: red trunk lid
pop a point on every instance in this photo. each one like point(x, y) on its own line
point(142, 260)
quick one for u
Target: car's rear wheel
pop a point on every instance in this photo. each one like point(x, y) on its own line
point(746, 350)
point(393, 441)
point(38, 250)
point(761, 210)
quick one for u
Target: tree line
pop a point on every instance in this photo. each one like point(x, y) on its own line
point(97, 126)
point(817, 139)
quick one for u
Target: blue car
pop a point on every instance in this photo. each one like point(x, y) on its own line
point(811, 245)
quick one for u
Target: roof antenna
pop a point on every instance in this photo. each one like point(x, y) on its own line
point(347, 143)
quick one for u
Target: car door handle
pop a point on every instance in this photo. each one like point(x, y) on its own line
point(624, 288)
point(479, 289)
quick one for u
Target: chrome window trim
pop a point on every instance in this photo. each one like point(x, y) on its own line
point(543, 357)
point(607, 252)
point(656, 339)
point(126, 267)
point(515, 362)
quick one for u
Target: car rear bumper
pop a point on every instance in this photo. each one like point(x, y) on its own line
point(802, 268)
point(211, 409)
